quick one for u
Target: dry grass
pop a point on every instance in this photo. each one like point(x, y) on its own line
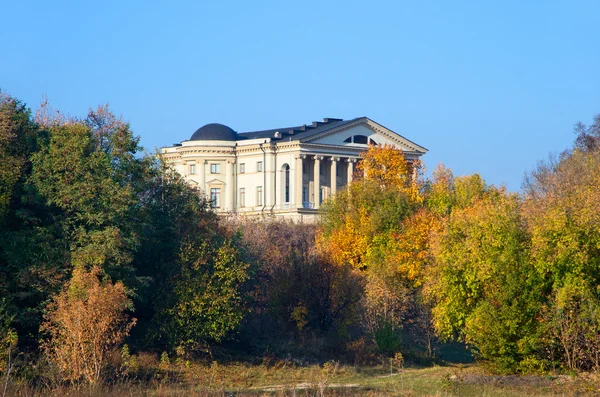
point(286, 379)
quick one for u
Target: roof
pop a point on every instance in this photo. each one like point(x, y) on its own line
point(297, 132)
point(220, 132)
point(214, 132)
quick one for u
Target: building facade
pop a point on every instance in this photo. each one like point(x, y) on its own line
point(285, 172)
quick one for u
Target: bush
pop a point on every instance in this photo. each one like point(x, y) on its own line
point(84, 323)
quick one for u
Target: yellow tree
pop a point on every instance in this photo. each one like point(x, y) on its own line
point(384, 192)
point(362, 224)
point(387, 167)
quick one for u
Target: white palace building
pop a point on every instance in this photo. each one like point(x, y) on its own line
point(282, 172)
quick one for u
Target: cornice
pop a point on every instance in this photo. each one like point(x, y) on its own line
point(348, 150)
point(404, 143)
point(200, 151)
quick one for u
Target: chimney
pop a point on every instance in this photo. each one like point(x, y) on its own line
point(331, 119)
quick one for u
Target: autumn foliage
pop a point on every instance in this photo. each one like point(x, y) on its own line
point(513, 276)
point(84, 323)
point(92, 230)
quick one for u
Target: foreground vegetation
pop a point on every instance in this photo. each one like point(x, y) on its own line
point(114, 273)
point(284, 378)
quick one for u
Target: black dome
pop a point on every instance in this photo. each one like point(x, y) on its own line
point(214, 132)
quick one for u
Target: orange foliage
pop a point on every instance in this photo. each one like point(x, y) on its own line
point(387, 166)
point(346, 244)
point(411, 251)
point(84, 323)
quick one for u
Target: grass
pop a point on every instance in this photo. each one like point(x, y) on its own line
point(286, 379)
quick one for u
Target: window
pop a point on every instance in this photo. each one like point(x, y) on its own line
point(259, 166)
point(259, 195)
point(242, 168)
point(287, 183)
point(215, 198)
point(215, 168)
point(192, 169)
point(242, 197)
point(360, 139)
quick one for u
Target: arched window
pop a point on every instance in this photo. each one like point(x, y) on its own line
point(286, 183)
point(360, 139)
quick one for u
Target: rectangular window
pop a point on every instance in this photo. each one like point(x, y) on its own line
point(242, 168)
point(259, 195)
point(215, 198)
point(259, 166)
point(215, 168)
point(242, 197)
point(192, 169)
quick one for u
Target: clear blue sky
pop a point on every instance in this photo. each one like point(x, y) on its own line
point(487, 86)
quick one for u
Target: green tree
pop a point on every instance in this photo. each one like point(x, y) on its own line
point(206, 305)
point(561, 202)
point(486, 292)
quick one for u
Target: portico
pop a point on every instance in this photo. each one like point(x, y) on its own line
point(317, 178)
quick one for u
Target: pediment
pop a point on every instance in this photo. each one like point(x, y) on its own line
point(215, 181)
point(363, 127)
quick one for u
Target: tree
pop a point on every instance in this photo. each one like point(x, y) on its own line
point(206, 305)
point(17, 141)
point(561, 202)
point(486, 292)
point(381, 196)
point(297, 296)
point(368, 226)
point(387, 167)
point(84, 323)
point(588, 137)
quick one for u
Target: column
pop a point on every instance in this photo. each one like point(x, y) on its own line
point(298, 181)
point(333, 175)
point(350, 169)
point(229, 192)
point(202, 173)
point(317, 180)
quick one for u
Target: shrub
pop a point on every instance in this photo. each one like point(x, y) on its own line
point(84, 323)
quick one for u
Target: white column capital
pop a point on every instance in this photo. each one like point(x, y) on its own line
point(319, 157)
